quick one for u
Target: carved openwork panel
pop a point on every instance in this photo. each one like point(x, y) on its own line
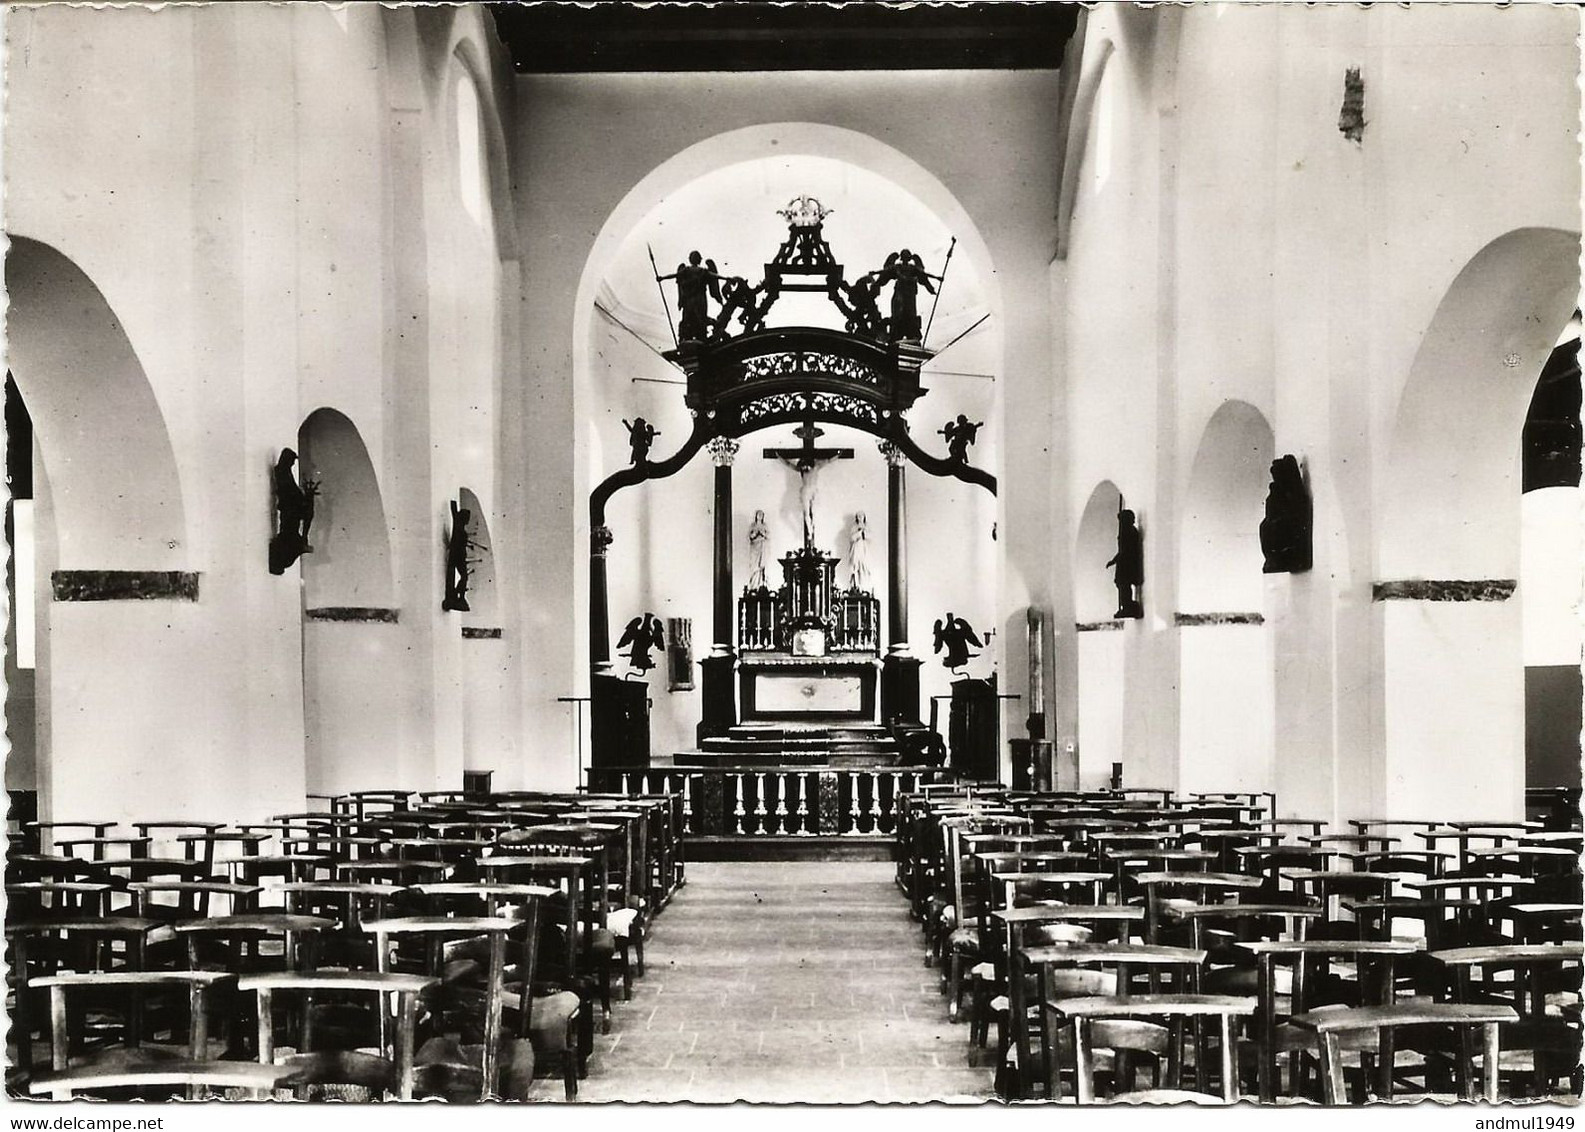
point(806, 364)
point(839, 408)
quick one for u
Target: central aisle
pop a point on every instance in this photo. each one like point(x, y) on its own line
point(786, 981)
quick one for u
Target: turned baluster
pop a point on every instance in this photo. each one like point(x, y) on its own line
point(875, 802)
point(687, 804)
point(854, 810)
point(803, 809)
point(782, 824)
point(739, 791)
point(760, 809)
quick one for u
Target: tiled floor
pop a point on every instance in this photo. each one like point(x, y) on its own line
point(781, 982)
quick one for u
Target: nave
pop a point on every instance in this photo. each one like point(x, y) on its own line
point(793, 981)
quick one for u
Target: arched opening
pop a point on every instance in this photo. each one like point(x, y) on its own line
point(97, 516)
point(488, 741)
point(1549, 570)
point(352, 709)
point(1449, 552)
point(1101, 640)
point(721, 198)
point(1226, 722)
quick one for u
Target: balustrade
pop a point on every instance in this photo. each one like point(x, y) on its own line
point(775, 802)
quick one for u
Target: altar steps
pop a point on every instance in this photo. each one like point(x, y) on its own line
point(798, 745)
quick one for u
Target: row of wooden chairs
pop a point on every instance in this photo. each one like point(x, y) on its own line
point(485, 929)
point(1081, 920)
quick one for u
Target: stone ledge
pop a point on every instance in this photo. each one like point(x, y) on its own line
point(1421, 589)
point(375, 613)
point(124, 585)
point(1100, 626)
point(480, 633)
point(1190, 620)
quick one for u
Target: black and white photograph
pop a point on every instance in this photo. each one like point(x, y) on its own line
point(870, 554)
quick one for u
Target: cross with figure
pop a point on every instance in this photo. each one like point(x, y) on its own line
point(807, 461)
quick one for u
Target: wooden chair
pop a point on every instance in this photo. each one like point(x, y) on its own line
point(343, 1074)
point(42, 947)
point(1330, 1026)
point(1119, 963)
point(1312, 987)
point(1543, 1045)
point(1172, 1009)
point(128, 990)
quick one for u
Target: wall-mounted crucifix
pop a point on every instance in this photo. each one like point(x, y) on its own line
point(807, 461)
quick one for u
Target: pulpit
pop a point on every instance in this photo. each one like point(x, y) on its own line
point(619, 722)
point(974, 729)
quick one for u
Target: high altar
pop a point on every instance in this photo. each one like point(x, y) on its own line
point(809, 651)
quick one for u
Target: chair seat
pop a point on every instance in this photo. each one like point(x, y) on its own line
point(446, 1068)
point(1231, 980)
point(983, 971)
point(345, 1075)
point(548, 1022)
point(621, 922)
point(964, 941)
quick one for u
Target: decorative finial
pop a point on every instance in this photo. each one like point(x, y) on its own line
point(804, 212)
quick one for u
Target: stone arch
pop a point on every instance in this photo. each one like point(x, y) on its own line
point(1448, 546)
point(1454, 447)
point(1226, 687)
point(100, 431)
point(1100, 639)
point(350, 564)
point(1219, 559)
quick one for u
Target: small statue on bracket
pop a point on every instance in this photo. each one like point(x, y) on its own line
point(642, 635)
point(294, 511)
point(458, 564)
point(863, 305)
point(955, 635)
point(1130, 562)
point(640, 437)
point(856, 565)
point(959, 435)
point(1287, 531)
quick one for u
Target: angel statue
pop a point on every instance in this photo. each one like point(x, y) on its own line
point(856, 566)
point(757, 534)
point(956, 635)
point(642, 634)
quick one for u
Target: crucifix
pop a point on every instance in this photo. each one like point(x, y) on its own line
point(807, 460)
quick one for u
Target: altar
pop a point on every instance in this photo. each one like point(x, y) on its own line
point(776, 687)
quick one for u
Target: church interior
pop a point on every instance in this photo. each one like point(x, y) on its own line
point(832, 553)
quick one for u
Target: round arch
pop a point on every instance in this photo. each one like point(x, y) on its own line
point(1454, 447)
point(1448, 547)
point(100, 431)
point(1101, 643)
point(1219, 559)
point(350, 565)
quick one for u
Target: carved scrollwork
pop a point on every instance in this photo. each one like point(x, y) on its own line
point(804, 363)
point(826, 406)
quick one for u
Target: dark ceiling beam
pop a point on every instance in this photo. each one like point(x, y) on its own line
point(555, 37)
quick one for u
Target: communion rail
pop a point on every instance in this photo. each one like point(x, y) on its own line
point(776, 803)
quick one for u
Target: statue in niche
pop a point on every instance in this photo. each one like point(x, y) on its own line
point(696, 286)
point(294, 511)
point(959, 435)
point(758, 552)
point(640, 437)
point(1287, 531)
point(642, 636)
point(1129, 561)
point(458, 564)
point(906, 273)
point(856, 566)
point(955, 635)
